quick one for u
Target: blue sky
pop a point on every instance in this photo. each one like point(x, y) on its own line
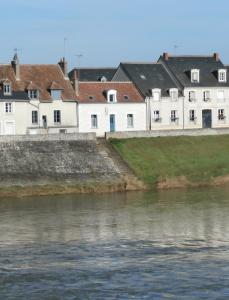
point(109, 31)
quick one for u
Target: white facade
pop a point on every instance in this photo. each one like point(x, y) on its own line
point(16, 117)
point(190, 109)
point(111, 117)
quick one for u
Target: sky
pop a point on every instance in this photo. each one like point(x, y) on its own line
point(107, 32)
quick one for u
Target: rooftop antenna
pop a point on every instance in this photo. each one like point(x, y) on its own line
point(78, 56)
point(65, 46)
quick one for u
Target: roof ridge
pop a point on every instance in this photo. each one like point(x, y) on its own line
point(106, 82)
point(139, 62)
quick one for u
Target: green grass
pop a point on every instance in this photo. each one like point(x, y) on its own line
point(199, 159)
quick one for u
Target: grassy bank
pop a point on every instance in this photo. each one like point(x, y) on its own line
point(177, 161)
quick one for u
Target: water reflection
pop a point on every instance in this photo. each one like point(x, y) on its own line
point(153, 245)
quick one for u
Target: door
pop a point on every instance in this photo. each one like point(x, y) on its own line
point(112, 123)
point(9, 128)
point(206, 118)
point(44, 120)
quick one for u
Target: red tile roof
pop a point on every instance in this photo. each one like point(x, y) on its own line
point(39, 76)
point(95, 92)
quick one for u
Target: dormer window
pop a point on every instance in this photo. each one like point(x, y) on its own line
point(7, 89)
point(222, 75)
point(156, 93)
point(112, 96)
point(33, 94)
point(173, 94)
point(56, 94)
point(195, 76)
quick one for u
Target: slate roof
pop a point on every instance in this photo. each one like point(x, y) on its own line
point(93, 74)
point(180, 67)
point(95, 92)
point(147, 76)
point(39, 77)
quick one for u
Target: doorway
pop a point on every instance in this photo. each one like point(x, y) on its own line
point(206, 118)
point(112, 123)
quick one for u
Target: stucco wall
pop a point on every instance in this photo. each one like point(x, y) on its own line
point(103, 111)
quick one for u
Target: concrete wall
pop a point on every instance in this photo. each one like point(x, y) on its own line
point(158, 133)
point(103, 112)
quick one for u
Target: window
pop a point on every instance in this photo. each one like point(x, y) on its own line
point(222, 75)
point(130, 121)
point(192, 115)
point(33, 94)
point(57, 117)
point(156, 93)
point(34, 117)
point(8, 107)
point(156, 115)
point(174, 115)
point(220, 95)
point(6, 89)
point(206, 95)
point(221, 114)
point(192, 96)
point(56, 94)
point(112, 96)
point(195, 76)
point(174, 94)
point(94, 121)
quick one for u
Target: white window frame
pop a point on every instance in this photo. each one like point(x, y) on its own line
point(7, 89)
point(94, 121)
point(156, 116)
point(9, 107)
point(33, 94)
point(112, 94)
point(130, 121)
point(156, 93)
point(221, 92)
point(195, 76)
point(192, 115)
point(174, 115)
point(55, 116)
point(221, 114)
point(34, 117)
point(222, 75)
point(192, 96)
point(206, 95)
point(173, 94)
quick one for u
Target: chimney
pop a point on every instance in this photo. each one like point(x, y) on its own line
point(16, 66)
point(216, 56)
point(64, 67)
point(166, 56)
point(75, 82)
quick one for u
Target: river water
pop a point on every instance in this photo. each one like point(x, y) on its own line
point(144, 245)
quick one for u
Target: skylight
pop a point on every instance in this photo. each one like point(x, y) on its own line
point(142, 77)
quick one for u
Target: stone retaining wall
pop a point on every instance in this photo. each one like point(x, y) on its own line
point(161, 133)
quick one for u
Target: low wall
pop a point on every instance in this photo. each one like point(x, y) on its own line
point(161, 133)
point(48, 137)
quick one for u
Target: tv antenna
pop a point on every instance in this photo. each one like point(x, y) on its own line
point(175, 47)
point(79, 57)
point(65, 46)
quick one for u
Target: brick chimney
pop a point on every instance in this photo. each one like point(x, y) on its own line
point(64, 67)
point(166, 56)
point(216, 56)
point(16, 66)
point(75, 82)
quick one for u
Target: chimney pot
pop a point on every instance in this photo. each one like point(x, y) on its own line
point(216, 56)
point(166, 56)
point(64, 67)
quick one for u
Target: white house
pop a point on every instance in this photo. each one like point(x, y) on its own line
point(205, 86)
point(36, 99)
point(109, 106)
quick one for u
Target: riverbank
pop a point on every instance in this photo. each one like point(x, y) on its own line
point(177, 162)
